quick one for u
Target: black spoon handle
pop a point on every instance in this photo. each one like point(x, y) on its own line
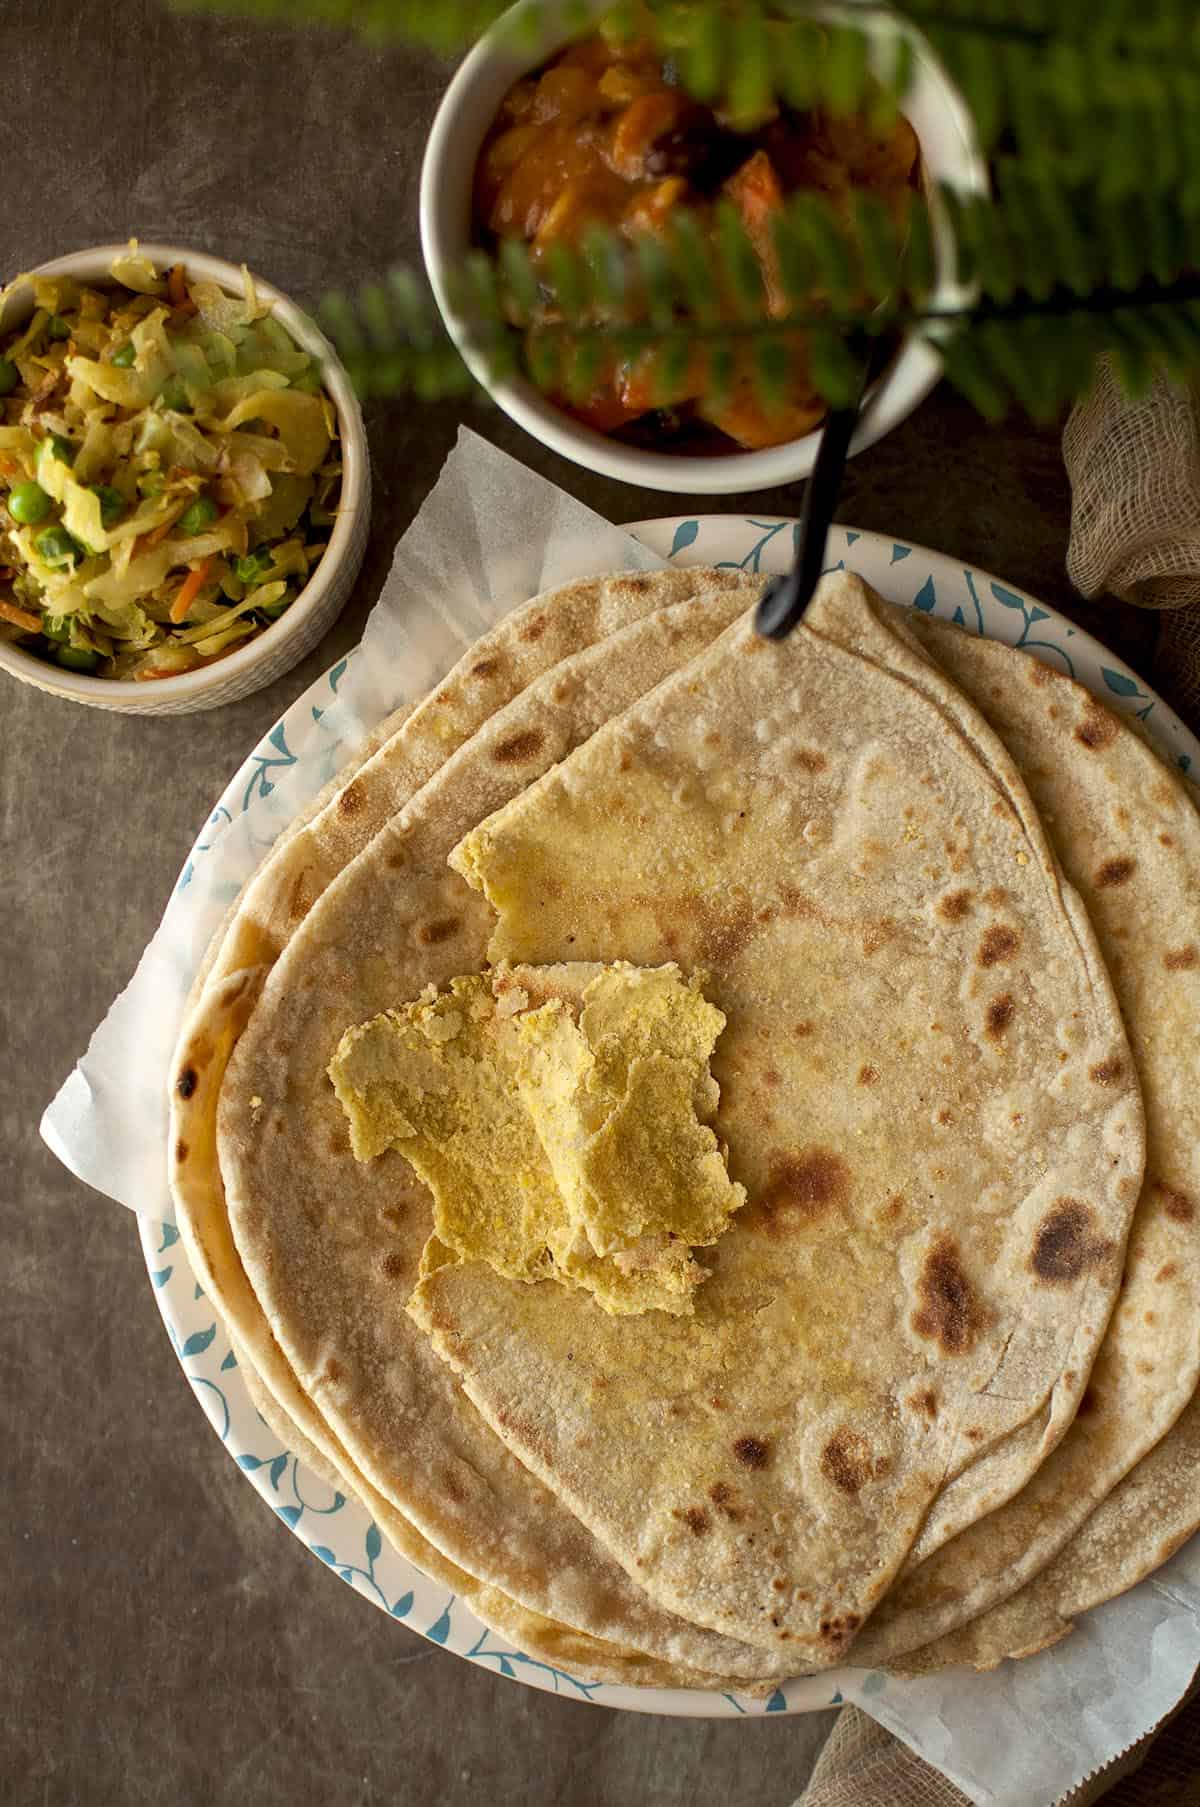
point(785, 598)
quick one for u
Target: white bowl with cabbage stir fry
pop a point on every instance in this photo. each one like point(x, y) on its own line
point(184, 481)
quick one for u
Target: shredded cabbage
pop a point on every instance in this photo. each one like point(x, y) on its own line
point(164, 439)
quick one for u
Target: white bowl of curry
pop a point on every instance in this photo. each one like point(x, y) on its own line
point(540, 142)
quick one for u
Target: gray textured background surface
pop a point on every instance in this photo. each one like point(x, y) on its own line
point(162, 1638)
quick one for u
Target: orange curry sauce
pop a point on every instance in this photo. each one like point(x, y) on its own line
point(602, 135)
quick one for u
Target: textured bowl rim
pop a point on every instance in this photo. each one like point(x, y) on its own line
point(467, 110)
point(93, 264)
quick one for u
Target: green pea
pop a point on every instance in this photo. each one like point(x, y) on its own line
point(198, 515)
point(62, 449)
point(248, 571)
point(77, 658)
point(151, 483)
point(10, 376)
point(28, 503)
point(56, 547)
point(124, 358)
point(112, 503)
point(175, 396)
point(57, 628)
point(57, 327)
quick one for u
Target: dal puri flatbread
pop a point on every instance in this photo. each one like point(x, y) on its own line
point(332, 1255)
point(1140, 1526)
point(910, 1283)
point(1127, 834)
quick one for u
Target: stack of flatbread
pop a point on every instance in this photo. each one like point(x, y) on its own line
point(919, 1386)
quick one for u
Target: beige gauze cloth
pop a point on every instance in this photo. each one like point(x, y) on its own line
point(1135, 515)
point(1135, 533)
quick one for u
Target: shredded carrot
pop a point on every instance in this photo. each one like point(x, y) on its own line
point(189, 589)
point(19, 617)
point(177, 290)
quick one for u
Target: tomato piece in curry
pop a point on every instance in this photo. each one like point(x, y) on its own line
point(603, 135)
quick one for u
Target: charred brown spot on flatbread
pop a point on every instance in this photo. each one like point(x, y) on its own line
point(519, 747)
point(352, 799)
point(442, 928)
point(1166, 1272)
point(187, 1082)
point(1000, 942)
point(485, 668)
point(301, 897)
point(867, 1075)
point(925, 1402)
point(181, 1151)
point(696, 1519)
point(1177, 1205)
point(800, 1187)
point(999, 1015)
point(952, 906)
point(848, 1461)
point(1107, 1072)
point(1181, 959)
point(1116, 871)
point(950, 1313)
point(533, 630)
point(1096, 728)
point(752, 1452)
point(1066, 1246)
point(892, 1208)
point(809, 759)
point(878, 934)
point(393, 1266)
point(837, 1632)
point(1166, 840)
point(339, 1142)
point(725, 1501)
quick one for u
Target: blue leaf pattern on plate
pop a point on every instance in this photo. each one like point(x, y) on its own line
point(898, 552)
point(277, 1468)
point(324, 1554)
point(926, 597)
point(199, 1340)
point(777, 1702)
point(290, 1514)
point(403, 1606)
point(1007, 598)
point(161, 1276)
point(439, 1631)
point(685, 534)
point(170, 1236)
point(374, 1543)
point(229, 1362)
point(1118, 683)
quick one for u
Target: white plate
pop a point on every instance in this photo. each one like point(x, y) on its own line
point(337, 1530)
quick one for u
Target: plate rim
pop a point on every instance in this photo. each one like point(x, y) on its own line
point(673, 537)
